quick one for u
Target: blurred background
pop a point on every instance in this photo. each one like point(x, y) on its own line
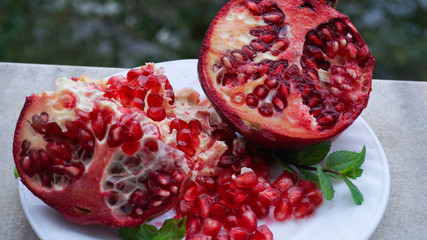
point(128, 33)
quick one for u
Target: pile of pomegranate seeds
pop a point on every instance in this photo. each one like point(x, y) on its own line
point(229, 206)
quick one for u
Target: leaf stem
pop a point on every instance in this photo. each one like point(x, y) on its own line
point(313, 168)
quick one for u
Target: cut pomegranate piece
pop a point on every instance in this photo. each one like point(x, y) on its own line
point(93, 151)
point(285, 74)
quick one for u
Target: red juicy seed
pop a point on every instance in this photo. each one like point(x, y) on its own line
point(211, 227)
point(193, 225)
point(156, 113)
point(86, 139)
point(140, 93)
point(99, 127)
point(194, 191)
point(260, 209)
point(177, 124)
point(195, 127)
point(263, 233)
point(126, 95)
point(307, 185)
point(131, 131)
point(45, 160)
point(202, 205)
point(223, 235)
point(233, 197)
point(133, 74)
point(238, 233)
point(266, 110)
point(282, 210)
point(248, 220)
point(61, 150)
point(252, 100)
point(238, 211)
point(186, 148)
point(304, 209)
point(230, 221)
point(295, 195)
point(226, 161)
point(74, 171)
point(154, 100)
point(246, 180)
point(283, 183)
point(210, 185)
point(153, 84)
point(53, 130)
point(315, 196)
point(269, 196)
point(130, 148)
point(151, 145)
point(184, 207)
point(219, 211)
point(261, 91)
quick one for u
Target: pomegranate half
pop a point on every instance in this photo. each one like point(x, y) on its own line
point(285, 73)
point(119, 152)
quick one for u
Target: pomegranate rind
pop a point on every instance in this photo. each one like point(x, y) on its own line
point(294, 127)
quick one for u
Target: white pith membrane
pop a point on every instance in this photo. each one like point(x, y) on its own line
point(233, 79)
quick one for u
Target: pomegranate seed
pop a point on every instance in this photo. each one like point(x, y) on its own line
point(283, 210)
point(260, 209)
point(230, 221)
point(195, 126)
point(194, 191)
point(177, 124)
point(193, 225)
point(130, 148)
point(252, 100)
point(269, 196)
point(223, 235)
point(263, 233)
point(282, 183)
point(233, 197)
point(184, 207)
point(238, 233)
point(295, 194)
point(260, 169)
point(156, 113)
point(219, 211)
point(248, 220)
point(202, 205)
point(211, 227)
point(266, 110)
point(304, 209)
point(261, 91)
point(246, 180)
point(153, 84)
point(61, 150)
point(307, 185)
point(315, 196)
point(154, 100)
point(125, 94)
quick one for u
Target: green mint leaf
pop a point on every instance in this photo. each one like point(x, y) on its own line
point(165, 236)
point(15, 172)
point(173, 228)
point(353, 173)
point(147, 232)
point(308, 175)
point(325, 183)
point(343, 161)
point(128, 233)
point(315, 153)
point(355, 192)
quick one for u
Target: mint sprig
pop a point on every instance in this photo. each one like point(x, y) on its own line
point(341, 164)
point(15, 172)
point(172, 229)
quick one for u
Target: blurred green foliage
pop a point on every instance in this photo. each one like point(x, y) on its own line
point(129, 33)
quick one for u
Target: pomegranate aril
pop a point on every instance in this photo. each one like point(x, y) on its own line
point(61, 150)
point(252, 100)
point(266, 110)
point(86, 139)
point(307, 185)
point(194, 191)
point(239, 233)
point(260, 209)
point(219, 211)
point(263, 233)
point(226, 161)
point(248, 220)
point(233, 197)
point(261, 91)
point(211, 227)
point(295, 194)
point(246, 180)
point(258, 45)
point(156, 113)
point(230, 221)
point(223, 235)
point(153, 84)
point(283, 182)
point(269, 196)
point(154, 100)
point(282, 210)
point(315, 196)
point(304, 209)
point(130, 148)
point(202, 205)
point(193, 224)
point(195, 127)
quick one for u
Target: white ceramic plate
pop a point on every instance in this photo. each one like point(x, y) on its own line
point(336, 219)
